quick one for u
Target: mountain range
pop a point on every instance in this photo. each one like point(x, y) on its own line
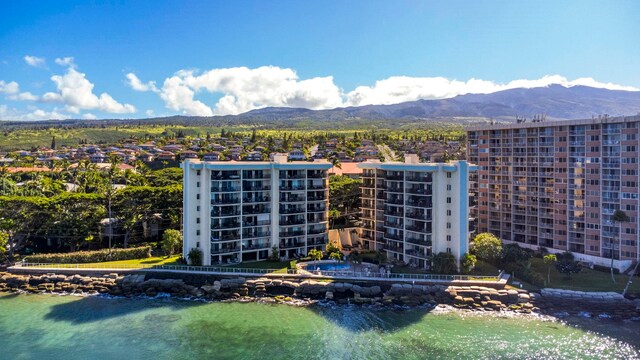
point(554, 101)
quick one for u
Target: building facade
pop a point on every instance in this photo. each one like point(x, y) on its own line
point(413, 210)
point(557, 185)
point(243, 211)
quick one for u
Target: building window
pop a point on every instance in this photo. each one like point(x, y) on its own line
point(448, 237)
point(198, 172)
point(197, 220)
point(448, 225)
point(197, 196)
point(448, 250)
point(198, 208)
point(448, 175)
point(448, 199)
point(198, 232)
point(448, 212)
point(448, 187)
point(198, 244)
point(198, 184)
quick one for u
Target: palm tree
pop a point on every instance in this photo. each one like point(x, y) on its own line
point(618, 217)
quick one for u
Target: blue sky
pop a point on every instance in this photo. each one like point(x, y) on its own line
point(122, 59)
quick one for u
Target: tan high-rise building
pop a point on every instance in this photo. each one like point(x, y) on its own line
point(557, 184)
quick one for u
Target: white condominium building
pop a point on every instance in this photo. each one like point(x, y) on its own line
point(242, 211)
point(414, 210)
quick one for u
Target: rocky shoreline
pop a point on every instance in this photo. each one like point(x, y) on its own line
point(303, 292)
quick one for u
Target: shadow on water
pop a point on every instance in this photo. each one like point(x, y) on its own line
point(626, 331)
point(97, 308)
point(358, 319)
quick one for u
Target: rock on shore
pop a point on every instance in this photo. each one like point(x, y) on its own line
point(301, 291)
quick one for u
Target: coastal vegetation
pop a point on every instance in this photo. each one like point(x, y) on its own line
point(97, 256)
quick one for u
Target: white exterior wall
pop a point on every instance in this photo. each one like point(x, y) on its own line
point(459, 204)
point(191, 167)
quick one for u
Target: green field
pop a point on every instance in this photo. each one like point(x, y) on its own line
point(585, 280)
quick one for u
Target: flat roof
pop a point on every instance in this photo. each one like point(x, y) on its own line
point(554, 123)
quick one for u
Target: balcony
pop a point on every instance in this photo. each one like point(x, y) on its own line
point(224, 189)
point(218, 213)
point(284, 234)
point(416, 253)
point(225, 250)
point(256, 199)
point(291, 199)
point(259, 234)
point(226, 200)
point(292, 187)
point(225, 225)
point(291, 245)
point(418, 241)
point(292, 210)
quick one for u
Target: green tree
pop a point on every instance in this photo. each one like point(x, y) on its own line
point(337, 255)
point(4, 240)
point(315, 254)
point(195, 257)
point(487, 247)
point(468, 262)
point(619, 217)
point(549, 259)
point(171, 241)
point(568, 267)
point(444, 263)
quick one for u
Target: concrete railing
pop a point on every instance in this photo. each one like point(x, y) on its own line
point(241, 271)
point(186, 268)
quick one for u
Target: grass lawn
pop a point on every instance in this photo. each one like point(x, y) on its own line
point(585, 280)
point(161, 260)
point(133, 263)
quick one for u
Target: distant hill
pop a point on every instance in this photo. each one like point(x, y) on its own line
point(555, 101)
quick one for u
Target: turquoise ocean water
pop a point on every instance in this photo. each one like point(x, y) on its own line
point(66, 327)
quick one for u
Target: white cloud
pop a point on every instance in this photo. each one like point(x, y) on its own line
point(35, 61)
point(244, 89)
point(149, 112)
point(9, 88)
point(76, 93)
point(89, 116)
point(7, 113)
point(397, 89)
point(24, 96)
point(134, 82)
point(66, 61)
point(12, 92)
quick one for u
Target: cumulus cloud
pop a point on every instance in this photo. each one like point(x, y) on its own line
point(33, 113)
point(76, 93)
point(9, 88)
point(149, 112)
point(66, 61)
point(34, 61)
point(397, 89)
point(12, 91)
point(244, 89)
point(136, 84)
point(89, 116)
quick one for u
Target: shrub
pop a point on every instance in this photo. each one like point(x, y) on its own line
point(91, 256)
point(467, 263)
point(171, 241)
point(315, 254)
point(444, 263)
point(487, 247)
point(195, 257)
point(292, 264)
